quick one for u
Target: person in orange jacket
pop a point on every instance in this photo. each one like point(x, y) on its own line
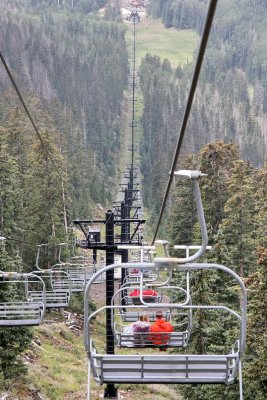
point(146, 292)
point(160, 326)
point(149, 295)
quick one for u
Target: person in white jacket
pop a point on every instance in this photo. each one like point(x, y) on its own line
point(140, 326)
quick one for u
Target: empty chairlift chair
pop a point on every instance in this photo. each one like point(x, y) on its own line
point(78, 275)
point(58, 288)
point(18, 309)
point(79, 268)
point(57, 283)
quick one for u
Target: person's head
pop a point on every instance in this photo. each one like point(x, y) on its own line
point(159, 315)
point(144, 317)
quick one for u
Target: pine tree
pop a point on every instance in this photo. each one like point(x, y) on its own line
point(216, 159)
point(238, 225)
point(10, 200)
point(255, 372)
point(45, 205)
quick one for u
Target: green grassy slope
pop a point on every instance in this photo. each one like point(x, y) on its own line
point(57, 368)
point(152, 37)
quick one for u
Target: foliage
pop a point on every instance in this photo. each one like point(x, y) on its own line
point(256, 360)
point(230, 102)
point(234, 200)
point(67, 61)
point(13, 340)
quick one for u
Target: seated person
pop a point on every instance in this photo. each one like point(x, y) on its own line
point(135, 271)
point(148, 295)
point(159, 338)
point(142, 325)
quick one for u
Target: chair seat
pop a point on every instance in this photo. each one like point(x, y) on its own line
point(21, 313)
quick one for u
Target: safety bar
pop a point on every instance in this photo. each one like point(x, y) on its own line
point(24, 278)
point(59, 252)
point(39, 246)
point(165, 246)
point(187, 248)
point(49, 273)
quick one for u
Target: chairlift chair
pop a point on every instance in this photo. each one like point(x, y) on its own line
point(58, 288)
point(74, 259)
point(19, 310)
point(181, 319)
point(79, 275)
point(186, 368)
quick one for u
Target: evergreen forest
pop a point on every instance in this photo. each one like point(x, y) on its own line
point(71, 62)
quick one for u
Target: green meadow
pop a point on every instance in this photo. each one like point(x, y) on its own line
point(152, 37)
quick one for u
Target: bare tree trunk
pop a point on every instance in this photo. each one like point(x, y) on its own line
point(1, 214)
point(64, 208)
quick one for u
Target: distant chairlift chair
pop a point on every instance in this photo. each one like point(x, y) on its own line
point(58, 288)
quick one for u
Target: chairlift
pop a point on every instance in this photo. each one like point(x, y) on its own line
point(133, 278)
point(186, 368)
point(129, 315)
point(58, 288)
point(20, 310)
point(79, 275)
point(84, 260)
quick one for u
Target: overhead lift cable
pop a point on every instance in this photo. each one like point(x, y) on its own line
point(29, 114)
point(201, 52)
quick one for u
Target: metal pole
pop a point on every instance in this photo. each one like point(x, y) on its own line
point(94, 256)
point(110, 390)
point(124, 253)
point(133, 92)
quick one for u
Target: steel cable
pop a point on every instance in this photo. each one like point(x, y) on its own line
point(28, 113)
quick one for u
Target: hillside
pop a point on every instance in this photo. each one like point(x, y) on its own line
point(229, 102)
point(57, 365)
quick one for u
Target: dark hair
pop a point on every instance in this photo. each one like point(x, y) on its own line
point(159, 314)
